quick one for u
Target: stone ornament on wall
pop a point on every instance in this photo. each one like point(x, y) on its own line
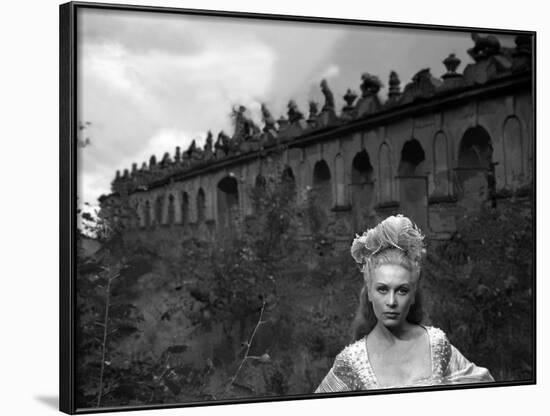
point(277, 136)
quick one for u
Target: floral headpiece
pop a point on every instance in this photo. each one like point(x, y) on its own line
point(394, 232)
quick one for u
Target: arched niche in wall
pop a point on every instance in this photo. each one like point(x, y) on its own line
point(228, 202)
point(147, 214)
point(158, 210)
point(362, 189)
point(322, 187)
point(171, 210)
point(260, 182)
point(513, 152)
point(441, 165)
point(140, 210)
point(288, 176)
point(135, 215)
point(184, 208)
point(412, 158)
point(321, 201)
point(385, 174)
point(476, 149)
point(361, 168)
point(288, 181)
point(475, 179)
point(201, 206)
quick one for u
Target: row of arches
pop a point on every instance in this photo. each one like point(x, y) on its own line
point(175, 207)
point(364, 183)
point(151, 212)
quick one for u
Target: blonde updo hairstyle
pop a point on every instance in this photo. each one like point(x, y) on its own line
point(396, 241)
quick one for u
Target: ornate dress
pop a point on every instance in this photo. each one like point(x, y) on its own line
point(352, 370)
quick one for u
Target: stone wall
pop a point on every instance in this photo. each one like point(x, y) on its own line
point(433, 152)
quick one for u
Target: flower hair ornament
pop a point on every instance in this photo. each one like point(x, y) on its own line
point(394, 232)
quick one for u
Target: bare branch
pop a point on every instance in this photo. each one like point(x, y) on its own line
point(248, 345)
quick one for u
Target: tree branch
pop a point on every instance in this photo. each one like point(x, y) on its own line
point(248, 345)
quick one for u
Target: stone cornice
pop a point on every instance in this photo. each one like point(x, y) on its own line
point(444, 98)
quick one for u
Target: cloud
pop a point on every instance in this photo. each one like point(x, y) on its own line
point(144, 103)
point(149, 82)
point(331, 72)
point(137, 31)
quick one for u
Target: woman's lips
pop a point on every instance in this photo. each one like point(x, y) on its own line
point(391, 314)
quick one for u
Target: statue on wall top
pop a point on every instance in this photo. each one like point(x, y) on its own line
point(394, 86)
point(208, 142)
point(370, 84)
point(166, 160)
point(244, 126)
point(268, 119)
point(194, 153)
point(192, 147)
point(329, 96)
point(451, 63)
point(221, 147)
point(152, 162)
point(349, 98)
point(185, 160)
point(313, 111)
point(484, 46)
point(294, 114)
point(208, 146)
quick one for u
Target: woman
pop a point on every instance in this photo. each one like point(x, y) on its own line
point(392, 348)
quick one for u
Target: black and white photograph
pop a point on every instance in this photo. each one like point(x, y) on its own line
point(275, 207)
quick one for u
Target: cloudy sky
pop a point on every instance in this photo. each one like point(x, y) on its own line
point(148, 82)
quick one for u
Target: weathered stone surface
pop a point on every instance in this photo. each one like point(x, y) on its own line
point(484, 47)
point(394, 90)
point(244, 126)
point(329, 97)
point(313, 113)
point(423, 86)
point(368, 105)
point(348, 112)
point(337, 140)
point(488, 69)
point(327, 118)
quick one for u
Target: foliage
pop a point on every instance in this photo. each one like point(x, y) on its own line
point(481, 281)
point(163, 318)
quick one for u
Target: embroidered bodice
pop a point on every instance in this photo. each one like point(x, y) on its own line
point(352, 369)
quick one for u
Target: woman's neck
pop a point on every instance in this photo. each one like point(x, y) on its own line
point(401, 333)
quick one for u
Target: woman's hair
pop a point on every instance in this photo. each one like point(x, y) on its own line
point(397, 241)
point(394, 232)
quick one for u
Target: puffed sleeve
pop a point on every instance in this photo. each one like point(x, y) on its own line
point(461, 370)
point(341, 377)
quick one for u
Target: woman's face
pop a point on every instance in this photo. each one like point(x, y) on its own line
point(392, 290)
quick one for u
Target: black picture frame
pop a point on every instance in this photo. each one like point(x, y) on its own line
point(68, 191)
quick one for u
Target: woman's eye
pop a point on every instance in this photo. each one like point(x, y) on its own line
point(403, 291)
point(382, 289)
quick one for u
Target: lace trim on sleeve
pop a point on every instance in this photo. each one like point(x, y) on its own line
point(332, 383)
point(354, 366)
point(441, 352)
point(350, 370)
